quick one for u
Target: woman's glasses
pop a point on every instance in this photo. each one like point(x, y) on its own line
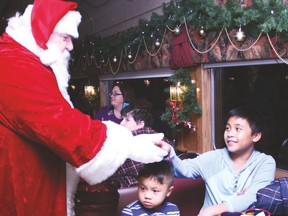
point(114, 94)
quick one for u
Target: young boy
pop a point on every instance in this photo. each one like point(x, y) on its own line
point(234, 174)
point(103, 199)
point(155, 185)
point(138, 120)
point(136, 117)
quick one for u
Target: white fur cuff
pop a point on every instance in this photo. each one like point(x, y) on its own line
point(111, 156)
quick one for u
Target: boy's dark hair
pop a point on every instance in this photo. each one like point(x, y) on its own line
point(139, 114)
point(251, 114)
point(161, 171)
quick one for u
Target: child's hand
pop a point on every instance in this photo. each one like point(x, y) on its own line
point(215, 210)
point(164, 145)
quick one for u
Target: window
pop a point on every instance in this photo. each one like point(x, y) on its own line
point(265, 86)
point(149, 87)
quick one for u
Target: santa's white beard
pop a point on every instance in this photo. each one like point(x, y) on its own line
point(59, 62)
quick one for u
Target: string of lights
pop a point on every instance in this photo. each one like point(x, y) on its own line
point(252, 20)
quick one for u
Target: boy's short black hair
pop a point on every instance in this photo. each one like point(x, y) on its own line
point(161, 171)
point(251, 114)
point(139, 114)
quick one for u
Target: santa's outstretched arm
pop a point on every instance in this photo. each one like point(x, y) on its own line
point(119, 145)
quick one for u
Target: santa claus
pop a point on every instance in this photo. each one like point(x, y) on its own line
point(40, 131)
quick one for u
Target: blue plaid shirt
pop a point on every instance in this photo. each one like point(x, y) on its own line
point(273, 197)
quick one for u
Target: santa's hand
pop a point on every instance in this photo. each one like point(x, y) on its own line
point(144, 150)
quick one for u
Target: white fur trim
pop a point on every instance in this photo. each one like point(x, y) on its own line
point(120, 145)
point(72, 180)
point(111, 156)
point(69, 24)
point(19, 28)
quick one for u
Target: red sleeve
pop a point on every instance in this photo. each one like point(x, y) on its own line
point(32, 106)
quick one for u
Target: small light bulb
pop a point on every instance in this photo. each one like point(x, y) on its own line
point(177, 30)
point(129, 55)
point(202, 31)
point(157, 43)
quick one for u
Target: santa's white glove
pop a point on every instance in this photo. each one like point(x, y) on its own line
point(142, 148)
point(119, 145)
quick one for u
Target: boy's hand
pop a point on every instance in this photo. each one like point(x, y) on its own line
point(214, 210)
point(164, 145)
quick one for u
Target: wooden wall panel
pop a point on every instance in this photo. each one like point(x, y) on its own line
point(201, 140)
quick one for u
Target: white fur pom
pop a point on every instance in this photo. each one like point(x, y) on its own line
point(19, 28)
point(69, 24)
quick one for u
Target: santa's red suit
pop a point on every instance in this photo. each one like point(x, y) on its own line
point(40, 132)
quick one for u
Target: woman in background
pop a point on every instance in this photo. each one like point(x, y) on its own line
point(120, 96)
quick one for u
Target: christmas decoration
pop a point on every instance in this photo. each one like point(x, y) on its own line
point(177, 113)
point(177, 30)
point(157, 43)
point(202, 32)
point(257, 17)
point(129, 55)
point(240, 36)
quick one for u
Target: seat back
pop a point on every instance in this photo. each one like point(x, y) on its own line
point(188, 195)
point(127, 195)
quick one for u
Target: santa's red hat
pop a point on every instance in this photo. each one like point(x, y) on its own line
point(53, 15)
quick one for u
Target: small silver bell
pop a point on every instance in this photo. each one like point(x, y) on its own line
point(157, 43)
point(177, 30)
point(240, 36)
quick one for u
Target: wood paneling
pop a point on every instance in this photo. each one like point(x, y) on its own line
point(199, 141)
point(280, 173)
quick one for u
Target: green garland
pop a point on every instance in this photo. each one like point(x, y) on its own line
point(177, 113)
point(262, 16)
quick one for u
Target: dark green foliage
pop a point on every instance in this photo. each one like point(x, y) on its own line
point(188, 102)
